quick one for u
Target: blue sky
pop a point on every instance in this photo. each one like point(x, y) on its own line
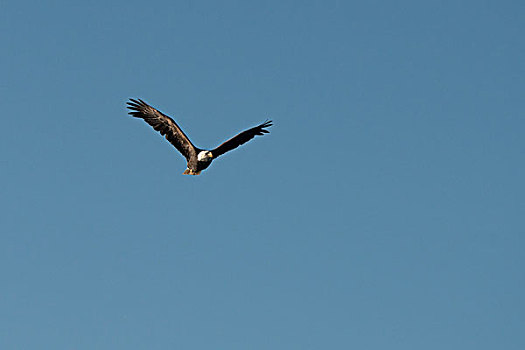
point(384, 211)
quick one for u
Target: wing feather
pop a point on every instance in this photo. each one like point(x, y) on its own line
point(164, 125)
point(241, 138)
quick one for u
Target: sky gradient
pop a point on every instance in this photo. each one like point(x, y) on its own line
point(384, 211)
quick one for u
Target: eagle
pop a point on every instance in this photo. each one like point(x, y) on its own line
point(197, 159)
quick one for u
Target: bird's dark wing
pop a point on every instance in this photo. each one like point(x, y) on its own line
point(241, 138)
point(163, 124)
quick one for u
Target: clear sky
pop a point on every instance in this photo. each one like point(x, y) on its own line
point(384, 211)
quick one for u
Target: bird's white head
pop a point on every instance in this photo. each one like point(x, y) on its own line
point(204, 156)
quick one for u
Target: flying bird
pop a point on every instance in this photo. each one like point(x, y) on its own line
point(197, 159)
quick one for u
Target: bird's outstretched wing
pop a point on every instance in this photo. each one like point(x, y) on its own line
point(241, 138)
point(163, 124)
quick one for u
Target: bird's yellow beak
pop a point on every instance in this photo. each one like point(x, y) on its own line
point(211, 155)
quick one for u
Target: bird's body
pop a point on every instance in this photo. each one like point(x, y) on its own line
point(204, 159)
point(197, 159)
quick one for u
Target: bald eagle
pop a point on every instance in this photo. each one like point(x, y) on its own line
point(198, 159)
